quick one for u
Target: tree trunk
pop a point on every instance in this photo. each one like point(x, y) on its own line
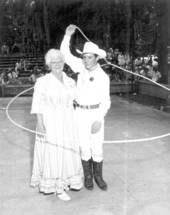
point(1, 21)
point(107, 25)
point(46, 23)
point(163, 8)
point(128, 26)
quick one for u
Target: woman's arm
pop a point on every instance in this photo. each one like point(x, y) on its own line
point(40, 125)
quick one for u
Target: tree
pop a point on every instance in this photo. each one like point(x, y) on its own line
point(115, 23)
point(163, 16)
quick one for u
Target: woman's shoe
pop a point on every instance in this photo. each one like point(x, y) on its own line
point(63, 196)
point(76, 190)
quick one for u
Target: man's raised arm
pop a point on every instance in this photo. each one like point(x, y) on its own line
point(74, 62)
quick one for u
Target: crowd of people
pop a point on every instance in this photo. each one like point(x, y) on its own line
point(20, 73)
point(145, 66)
point(12, 76)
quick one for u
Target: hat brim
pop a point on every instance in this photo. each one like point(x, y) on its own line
point(101, 53)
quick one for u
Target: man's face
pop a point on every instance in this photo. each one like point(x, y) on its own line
point(89, 60)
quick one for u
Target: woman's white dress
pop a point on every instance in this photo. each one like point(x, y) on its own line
point(57, 162)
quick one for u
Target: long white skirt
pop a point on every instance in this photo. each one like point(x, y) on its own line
point(57, 162)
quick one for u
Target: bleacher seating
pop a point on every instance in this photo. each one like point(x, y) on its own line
point(10, 62)
point(31, 61)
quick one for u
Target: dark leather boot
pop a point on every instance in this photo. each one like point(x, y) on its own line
point(88, 175)
point(97, 172)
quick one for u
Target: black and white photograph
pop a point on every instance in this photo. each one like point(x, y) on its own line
point(85, 107)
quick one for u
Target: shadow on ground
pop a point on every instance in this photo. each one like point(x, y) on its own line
point(157, 103)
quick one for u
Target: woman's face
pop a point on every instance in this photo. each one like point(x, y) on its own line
point(56, 65)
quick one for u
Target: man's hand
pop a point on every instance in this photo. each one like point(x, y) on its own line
point(96, 127)
point(70, 30)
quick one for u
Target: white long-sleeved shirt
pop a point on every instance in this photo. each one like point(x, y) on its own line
point(93, 87)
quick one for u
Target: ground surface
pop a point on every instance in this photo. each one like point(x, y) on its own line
point(136, 164)
point(150, 101)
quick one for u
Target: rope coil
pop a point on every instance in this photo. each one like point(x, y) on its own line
point(111, 141)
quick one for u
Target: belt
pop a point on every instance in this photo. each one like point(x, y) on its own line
point(86, 106)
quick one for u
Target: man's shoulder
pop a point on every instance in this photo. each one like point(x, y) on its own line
point(103, 73)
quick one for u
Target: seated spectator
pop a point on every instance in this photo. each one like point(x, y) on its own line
point(121, 63)
point(155, 63)
point(1, 78)
point(143, 71)
point(115, 56)
point(127, 75)
point(116, 52)
point(127, 58)
point(17, 68)
point(110, 55)
point(5, 77)
point(157, 76)
point(32, 78)
point(35, 74)
point(121, 60)
point(23, 64)
point(154, 74)
point(15, 48)
point(147, 63)
point(137, 71)
point(138, 61)
point(13, 77)
point(5, 49)
point(25, 80)
point(146, 60)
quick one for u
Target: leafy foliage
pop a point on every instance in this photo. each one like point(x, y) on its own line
point(110, 23)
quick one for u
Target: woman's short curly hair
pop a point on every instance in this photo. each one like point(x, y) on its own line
point(53, 54)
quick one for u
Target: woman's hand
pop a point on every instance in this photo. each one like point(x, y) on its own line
point(40, 126)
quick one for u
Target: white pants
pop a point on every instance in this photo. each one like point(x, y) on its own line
point(91, 145)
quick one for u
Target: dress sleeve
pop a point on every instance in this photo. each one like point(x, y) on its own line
point(74, 62)
point(38, 97)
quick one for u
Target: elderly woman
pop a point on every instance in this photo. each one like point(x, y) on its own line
point(57, 164)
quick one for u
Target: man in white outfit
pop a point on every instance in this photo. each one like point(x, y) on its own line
point(92, 104)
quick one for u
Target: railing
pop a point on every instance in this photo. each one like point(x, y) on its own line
point(12, 90)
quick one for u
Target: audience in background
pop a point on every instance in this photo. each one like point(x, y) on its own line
point(146, 66)
point(13, 77)
point(5, 49)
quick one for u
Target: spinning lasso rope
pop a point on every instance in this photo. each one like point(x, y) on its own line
point(108, 63)
point(111, 141)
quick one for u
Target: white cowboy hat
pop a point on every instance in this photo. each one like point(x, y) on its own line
point(90, 47)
